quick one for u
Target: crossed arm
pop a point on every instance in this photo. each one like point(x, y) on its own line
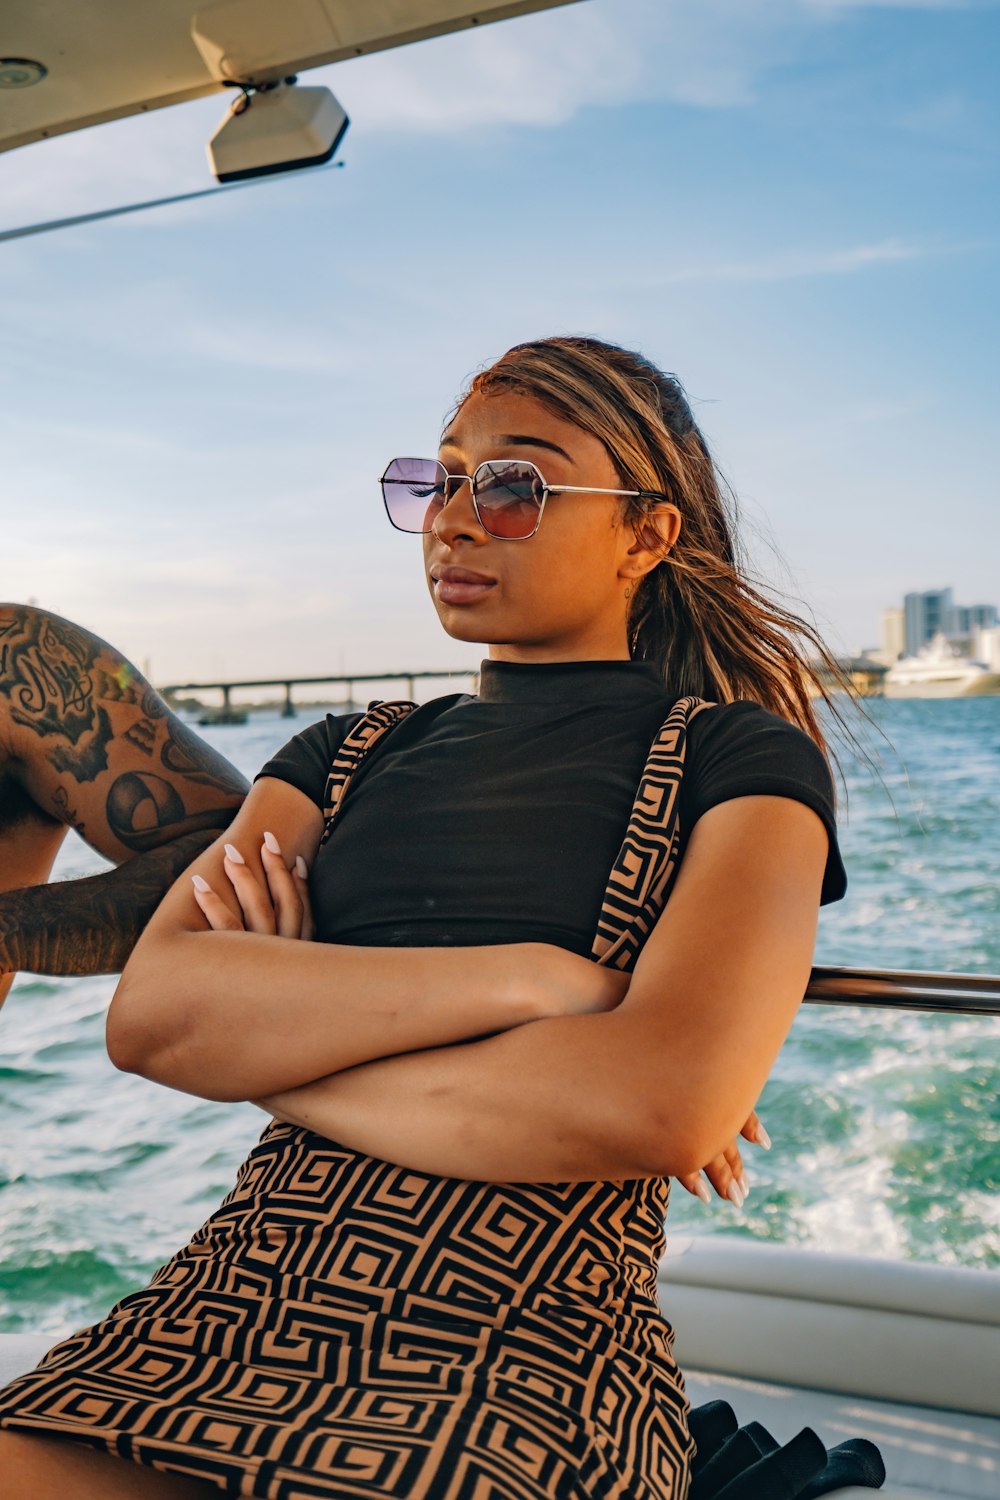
point(581, 1073)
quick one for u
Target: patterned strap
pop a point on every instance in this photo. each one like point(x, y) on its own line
point(644, 871)
point(369, 729)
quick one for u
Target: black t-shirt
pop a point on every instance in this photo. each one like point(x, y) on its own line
point(497, 818)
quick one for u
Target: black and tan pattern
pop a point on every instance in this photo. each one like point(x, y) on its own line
point(343, 1327)
point(366, 733)
point(644, 871)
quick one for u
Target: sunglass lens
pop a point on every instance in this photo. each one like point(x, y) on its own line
point(413, 490)
point(509, 496)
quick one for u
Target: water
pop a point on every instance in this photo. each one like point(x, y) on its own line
point(885, 1126)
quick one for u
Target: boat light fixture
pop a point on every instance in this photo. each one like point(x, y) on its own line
point(276, 127)
point(20, 72)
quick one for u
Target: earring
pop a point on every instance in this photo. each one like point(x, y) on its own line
point(628, 593)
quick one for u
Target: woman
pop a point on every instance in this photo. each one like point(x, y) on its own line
point(435, 1276)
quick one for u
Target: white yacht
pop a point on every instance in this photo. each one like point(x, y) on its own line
point(905, 1354)
point(939, 671)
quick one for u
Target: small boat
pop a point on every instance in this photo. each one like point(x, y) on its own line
point(939, 671)
point(226, 715)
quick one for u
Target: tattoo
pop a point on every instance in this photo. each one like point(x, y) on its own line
point(67, 814)
point(142, 736)
point(90, 926)
point(90, 760)
point(47, 675)
point(186, 754)
point(115, 687)
point(59, 682)
point(145, 811)
point(153, 705)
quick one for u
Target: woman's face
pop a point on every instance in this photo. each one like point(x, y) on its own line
point(559, 595)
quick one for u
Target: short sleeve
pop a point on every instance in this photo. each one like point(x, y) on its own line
point(743, 750)
point(305, 761)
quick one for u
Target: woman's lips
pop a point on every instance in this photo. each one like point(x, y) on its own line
point(460, 585)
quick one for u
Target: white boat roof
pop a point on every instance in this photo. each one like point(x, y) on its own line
point(106, 59)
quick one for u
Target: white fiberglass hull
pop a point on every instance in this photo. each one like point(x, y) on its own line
point(963, 686)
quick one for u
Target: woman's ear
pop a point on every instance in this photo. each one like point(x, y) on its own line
point(656, 532)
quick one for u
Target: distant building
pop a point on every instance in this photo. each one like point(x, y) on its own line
point(976, 617)
point(926, 614)
point(971, 630)
point(893, 635)
point(986, 645)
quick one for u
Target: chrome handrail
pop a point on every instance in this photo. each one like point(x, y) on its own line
point(906, 989)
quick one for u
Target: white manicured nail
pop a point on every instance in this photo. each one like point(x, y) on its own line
point(701, 1188)
point(234, 854)
point(272, 843)
point(744, 1186)
point(301, 867)
point(762, 1138)
point(200, 883)
point(735, 1194)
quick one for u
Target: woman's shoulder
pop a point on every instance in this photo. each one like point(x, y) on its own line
point(304, 760)
point(730, 732)
point(742, 749)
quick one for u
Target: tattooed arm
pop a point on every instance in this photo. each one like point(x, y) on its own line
point(86, 742)
point(90, 926)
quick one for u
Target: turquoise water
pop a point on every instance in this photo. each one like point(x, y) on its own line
point(885, 1126)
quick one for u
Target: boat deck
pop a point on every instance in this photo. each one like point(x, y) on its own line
point(904, 1354)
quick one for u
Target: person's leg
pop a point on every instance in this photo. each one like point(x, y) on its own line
point(38, 1468)
point(85, 742)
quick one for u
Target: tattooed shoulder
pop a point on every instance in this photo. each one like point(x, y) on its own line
point(47, 686)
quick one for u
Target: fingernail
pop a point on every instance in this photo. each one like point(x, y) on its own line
point(200, 883)
point(744, 1186)
point(701, 1188)
point(735, 1194)
point(234, 854)
point(301, 867)
point(272, 843)
point(762, 1138)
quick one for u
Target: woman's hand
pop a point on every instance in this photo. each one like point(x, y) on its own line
point(280, 907)
point(726, 1172)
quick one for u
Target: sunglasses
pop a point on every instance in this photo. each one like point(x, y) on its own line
point(508, 495)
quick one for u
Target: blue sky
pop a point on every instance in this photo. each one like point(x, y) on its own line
point(790, 203)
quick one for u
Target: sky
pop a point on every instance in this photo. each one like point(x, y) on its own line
point(791, 204)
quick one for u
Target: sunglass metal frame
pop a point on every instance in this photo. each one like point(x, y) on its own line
point(470, 480)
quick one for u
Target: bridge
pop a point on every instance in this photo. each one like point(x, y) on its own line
point(228, 714)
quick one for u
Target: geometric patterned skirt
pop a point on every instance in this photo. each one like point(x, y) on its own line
point(344, 1327)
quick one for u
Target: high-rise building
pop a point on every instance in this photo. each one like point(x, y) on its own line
point(893, 635)
point(925, 614)
point(980, 617)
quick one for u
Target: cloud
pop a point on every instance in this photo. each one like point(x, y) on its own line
point(793, 265)
point(834, 5)
point(543, 69)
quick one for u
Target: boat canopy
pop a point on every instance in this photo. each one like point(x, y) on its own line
point(68, 64)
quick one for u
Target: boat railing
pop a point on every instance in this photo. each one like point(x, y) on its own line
point(906, 989)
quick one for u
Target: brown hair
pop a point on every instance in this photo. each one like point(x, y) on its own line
point(697, 615)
